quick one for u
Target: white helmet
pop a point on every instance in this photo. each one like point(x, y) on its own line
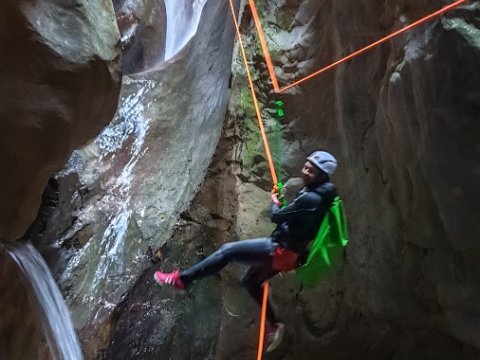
point(324, 161)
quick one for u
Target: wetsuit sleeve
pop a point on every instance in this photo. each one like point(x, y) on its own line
point(307, 202)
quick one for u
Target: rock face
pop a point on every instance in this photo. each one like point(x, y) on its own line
point(60, 83)
point(121, 195)
point(402, 121)
point(216, 314)
point(143, 25)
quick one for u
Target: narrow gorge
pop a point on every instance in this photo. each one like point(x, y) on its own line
point(130, 144)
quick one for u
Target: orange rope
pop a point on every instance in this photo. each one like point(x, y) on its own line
point(255, 101)
point(277, 89)
point(348, 57)
point(261, 337)
point(263, 43)
point(263, 319)
point(376, 43)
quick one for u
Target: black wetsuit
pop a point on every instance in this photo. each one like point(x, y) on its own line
point(297, 225)
point(298, 222)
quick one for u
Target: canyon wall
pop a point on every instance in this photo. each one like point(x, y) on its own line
point(401, 120)
point(60, 70)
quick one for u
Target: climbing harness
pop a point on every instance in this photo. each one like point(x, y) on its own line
point(284, 259)
point(332, 235)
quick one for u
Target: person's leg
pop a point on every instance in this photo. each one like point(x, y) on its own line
point(274, 329)
point(253, 280)
point(248, 251)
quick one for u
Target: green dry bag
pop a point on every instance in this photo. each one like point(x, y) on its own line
point(327, 251)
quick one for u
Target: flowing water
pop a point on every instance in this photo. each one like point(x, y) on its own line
point(61, 337)
point(183, 17)
point(121, 145)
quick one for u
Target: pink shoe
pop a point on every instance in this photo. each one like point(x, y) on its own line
point(273, 336)
point(171, 279)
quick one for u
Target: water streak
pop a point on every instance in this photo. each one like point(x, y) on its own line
point(183, 17)
point(61, 336)
point(135, 127)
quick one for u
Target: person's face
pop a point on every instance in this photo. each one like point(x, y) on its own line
point(309, 173)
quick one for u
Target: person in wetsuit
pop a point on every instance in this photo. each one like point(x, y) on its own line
point(285, 249)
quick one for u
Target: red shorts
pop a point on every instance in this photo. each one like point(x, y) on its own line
point(284, 260)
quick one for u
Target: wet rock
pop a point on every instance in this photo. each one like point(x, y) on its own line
point(409, 284)
point(253, 217)
point(138, 176)
point(154, 321)
point(143, 25)
point(401, 120)
point(60, 82)
point(408, 175)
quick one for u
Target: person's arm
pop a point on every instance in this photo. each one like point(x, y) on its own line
point(307, 202)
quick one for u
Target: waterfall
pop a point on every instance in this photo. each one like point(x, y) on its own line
point(183, 17)
point(61, 337)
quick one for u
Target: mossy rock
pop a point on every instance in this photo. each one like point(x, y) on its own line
point(284, 17)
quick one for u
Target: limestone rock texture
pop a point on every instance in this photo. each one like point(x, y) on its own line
point(143, 25)
point(120, 196)
point(60, 71)
point(402, 120)
point(215, 318)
